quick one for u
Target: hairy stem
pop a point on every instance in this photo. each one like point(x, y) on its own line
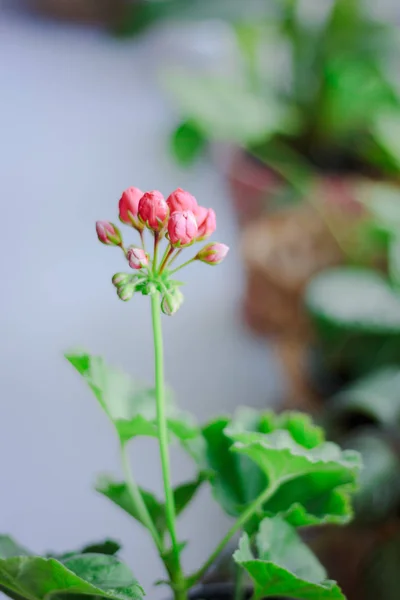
point(176, 571)
point(138, 501)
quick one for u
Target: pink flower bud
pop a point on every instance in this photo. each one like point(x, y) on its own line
point(180, 200)
point(153, 210)
point(128, 207)
point(108, 233)
point(137, 258)
point(213, 253)
point(206, 222)
point(182, 228)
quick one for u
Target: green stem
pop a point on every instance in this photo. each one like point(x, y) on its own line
point(138, 500)
point(176, 574)
point(141, 233)
point(165, 258)
point(156, 240)
point(173, 259)
point(239, 523)
point(238, 592)
point(184, 265)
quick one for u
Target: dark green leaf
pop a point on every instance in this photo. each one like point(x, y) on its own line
point(109, 547)
point(285, 566)
point(9, 548)
point(130, 407)
point(36, 578)
point(119, 494)
point(187, 143)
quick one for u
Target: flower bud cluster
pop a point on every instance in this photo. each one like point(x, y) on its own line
point(181, 221)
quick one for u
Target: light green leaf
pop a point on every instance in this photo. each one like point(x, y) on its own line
point(383, 203)
point(394, 261)
point(36, 578)
point(310, 497)
point(312, 485)
point(10, 548)
point(354, 298)
point(225, 110)
point(118, 493)
point(386, 132)
point(130, 407)
point(285, 565)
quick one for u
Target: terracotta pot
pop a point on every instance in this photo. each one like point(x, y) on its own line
point(251, 185)
point(281, 252)
point(87, 11)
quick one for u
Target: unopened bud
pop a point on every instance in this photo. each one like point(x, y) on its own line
point(182, 228)
point(206, 222)
point(128, 207)
point(179, 200)
point(121, 279)
point(153, 210)
point(125, 292)
point(108, 233)
point(213, 253)
point(171, 302)
point(137, 258)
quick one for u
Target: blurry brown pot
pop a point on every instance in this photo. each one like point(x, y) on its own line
point(251, 185)
point(102, 12)
point(221, 591)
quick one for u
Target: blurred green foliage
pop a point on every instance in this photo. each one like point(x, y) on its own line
point(323, 84)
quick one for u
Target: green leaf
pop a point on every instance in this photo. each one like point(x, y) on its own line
point(187, 143)
point(118, 493)
point(312, 485)
point(386, 132)
point(394, 261)
point(235, 481)
point(109, 547)
point(311, 497)
point(36, 578)
point(129, 406)
point(10, 548)
point(285, 565)
point(225, 110)
point(383, 203)
point(357, 299)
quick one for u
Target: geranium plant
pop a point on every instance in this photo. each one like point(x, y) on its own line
point(272, 473)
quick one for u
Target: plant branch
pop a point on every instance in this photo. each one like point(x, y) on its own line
point(163, 435)
point(184, 265)
point(138, 501)
point(239, 523)
point(169, 250)
point(141, 233)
